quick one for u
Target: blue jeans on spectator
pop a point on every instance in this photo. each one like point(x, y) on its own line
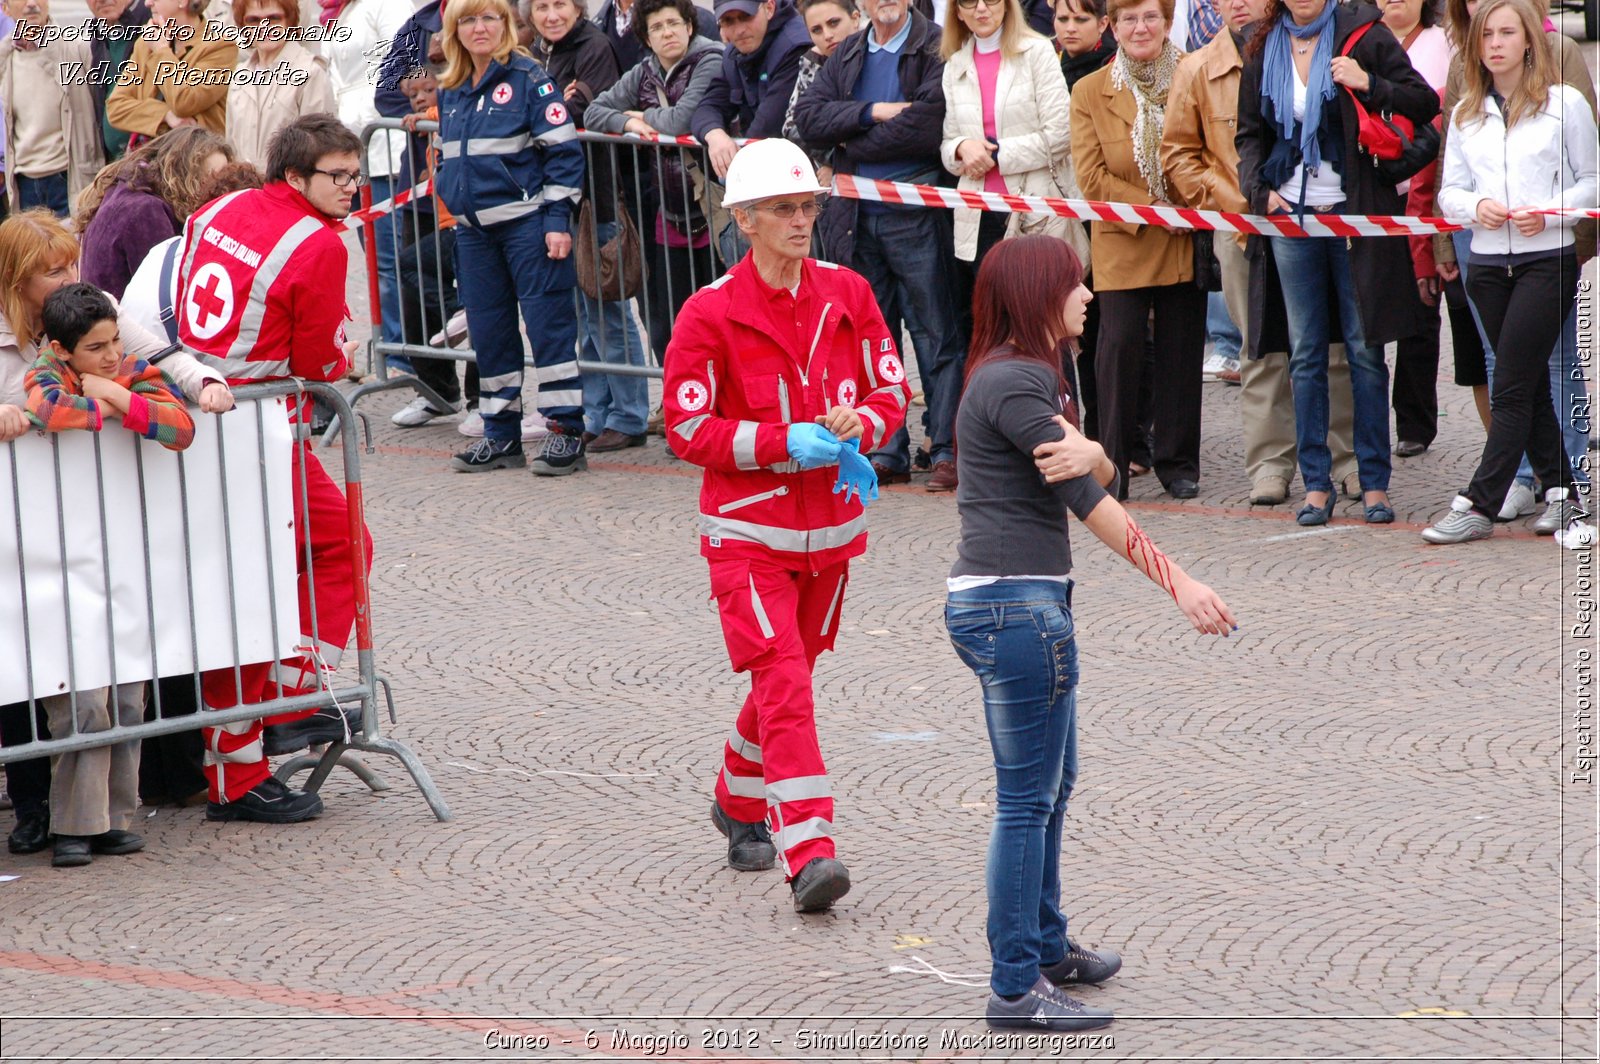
point(1221, 333)
point(48, 192)
point(607, 333)
point(384, 237)
point(1307, 270)
point(1017, 636)
point(906, 257)
point(1568, 390)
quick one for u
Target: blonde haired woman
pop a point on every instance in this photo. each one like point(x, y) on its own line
point(1520, 142)
point(169, 85)
point(1005, 122)
point(512, 174)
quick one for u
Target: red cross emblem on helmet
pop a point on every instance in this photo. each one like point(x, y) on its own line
point(796, 173)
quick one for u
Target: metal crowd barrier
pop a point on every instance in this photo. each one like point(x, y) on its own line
point(628, 177)
point(131, 563)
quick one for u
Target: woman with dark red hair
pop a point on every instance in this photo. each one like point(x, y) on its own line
point(1021, 466)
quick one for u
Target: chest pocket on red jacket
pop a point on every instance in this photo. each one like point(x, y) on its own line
point(767, 394)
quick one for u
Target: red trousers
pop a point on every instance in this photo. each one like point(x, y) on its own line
point(234, 761)
point(775, 622)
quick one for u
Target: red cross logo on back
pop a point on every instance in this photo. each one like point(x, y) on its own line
point(209, 307)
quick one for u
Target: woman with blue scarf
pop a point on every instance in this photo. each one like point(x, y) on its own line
point(1298, 154)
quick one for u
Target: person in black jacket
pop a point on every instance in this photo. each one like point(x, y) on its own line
point(112, 31)
point(616, 20)
point(1294, 165)
point(878, 104)
point(750, 94)
point(581, 62)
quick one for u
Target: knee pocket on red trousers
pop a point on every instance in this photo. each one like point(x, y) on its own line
point(748, 630)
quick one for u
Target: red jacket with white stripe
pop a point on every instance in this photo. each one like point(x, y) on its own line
point(745, 362)
point(261, 287)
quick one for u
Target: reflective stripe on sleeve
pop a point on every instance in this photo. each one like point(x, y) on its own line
point(744, 445)
point(799, 788)
point(687, 427)
point(743, 747)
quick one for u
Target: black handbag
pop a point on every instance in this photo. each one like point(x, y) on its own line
point(1207, 271)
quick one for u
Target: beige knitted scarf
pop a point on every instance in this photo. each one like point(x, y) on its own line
point(1149, 81)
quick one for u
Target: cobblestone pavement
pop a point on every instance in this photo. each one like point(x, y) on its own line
point(1349, 832)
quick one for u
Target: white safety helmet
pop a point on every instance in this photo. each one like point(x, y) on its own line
point(767, 168)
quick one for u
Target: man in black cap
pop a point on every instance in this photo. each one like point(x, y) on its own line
point(750, 94)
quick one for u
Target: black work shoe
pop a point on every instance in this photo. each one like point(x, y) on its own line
point(31, 834)
point(1082, 965)
point(750, 846)
point(820, 883)
point(72, 851)
point(116, 842)
point(1046, 1008)
point(268, 802)
point(487, 454)
point(561, 456)
point(326, 725)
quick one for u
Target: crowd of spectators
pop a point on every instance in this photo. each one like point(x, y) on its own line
point(1223, 104)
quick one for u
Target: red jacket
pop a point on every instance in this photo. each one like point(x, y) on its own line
point(744, 363)
point(261, 275)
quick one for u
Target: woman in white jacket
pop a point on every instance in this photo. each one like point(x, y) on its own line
point(1005, 123)
point(353, 72)
point(1520, 142)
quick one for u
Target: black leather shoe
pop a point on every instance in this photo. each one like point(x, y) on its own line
point(750, 846)
point(1183, 488)
point(326, 725)
point(820, 883)
point(1081, 965)
point(71, 851)
point(268, 802)
point(1409, 448)
point(31, 834)
point(116, 842)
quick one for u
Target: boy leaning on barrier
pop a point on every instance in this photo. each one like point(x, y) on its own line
point(81, 380)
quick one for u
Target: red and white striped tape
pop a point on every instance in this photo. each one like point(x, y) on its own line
point(355, 219)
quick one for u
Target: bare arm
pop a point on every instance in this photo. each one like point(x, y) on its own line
point(1116, 528)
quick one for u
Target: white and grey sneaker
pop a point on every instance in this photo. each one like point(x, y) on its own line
point(419, 412)
point(1046, 1008)
point(471, 425)
point(1520, 502)
point(1461, 525)
point(1560, 510)
point(1213, 366)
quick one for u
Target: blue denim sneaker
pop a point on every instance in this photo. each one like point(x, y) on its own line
point(1046, 1008)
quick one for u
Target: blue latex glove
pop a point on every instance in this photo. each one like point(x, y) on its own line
point(813, 446)
point(856, 475)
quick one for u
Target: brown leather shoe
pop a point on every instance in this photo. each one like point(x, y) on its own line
point(612, 440)
point(944, 477)
point(890, 476)
point(588, 437)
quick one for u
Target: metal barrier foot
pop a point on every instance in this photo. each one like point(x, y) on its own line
point(347, 759)
point(413, 765)
point(381, 385)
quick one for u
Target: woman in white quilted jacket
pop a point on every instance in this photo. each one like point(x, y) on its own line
point(1005, 123)
point(353, 69)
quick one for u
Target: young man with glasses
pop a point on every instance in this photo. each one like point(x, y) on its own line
point(254, 275)
point(777, 372)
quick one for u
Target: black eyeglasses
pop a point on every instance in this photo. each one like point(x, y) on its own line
point(344, 178)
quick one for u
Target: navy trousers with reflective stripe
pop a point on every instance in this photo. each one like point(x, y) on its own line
point(499, 270)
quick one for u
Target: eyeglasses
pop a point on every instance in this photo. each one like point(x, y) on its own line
point(1149, 18)
point(785, 212)
point(487, 21)
point(968, 5)
point(344, 178)
point(666, 25)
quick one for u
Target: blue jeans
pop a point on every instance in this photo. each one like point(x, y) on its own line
point(607, 334)
point(499, 271)
point(1017, 636)
point(1568, 390)
point(384, 237)
point(1308, 269)
point(1221, 332)
point(906, 257)
point(48, 192)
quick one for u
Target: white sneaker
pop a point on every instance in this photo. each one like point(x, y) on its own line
point(471, 425)
point(1561, 511)
point(419, 412)
point(1520, 502)
point(534, 426)
point(454, 333)
point(1213, 367)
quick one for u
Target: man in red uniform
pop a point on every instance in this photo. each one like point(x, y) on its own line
point(769, 369)
point(261, 273)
